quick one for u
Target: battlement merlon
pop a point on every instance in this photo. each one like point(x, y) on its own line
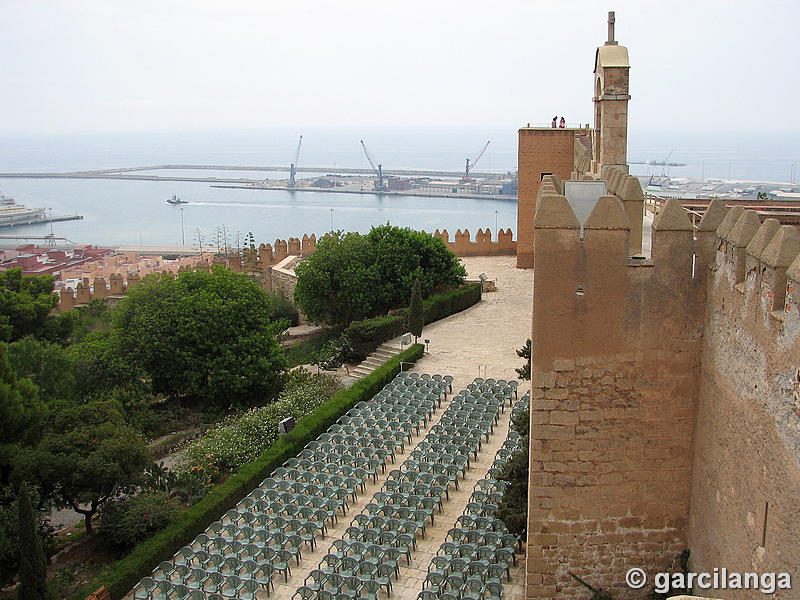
point(741, 234)
point(590, 297)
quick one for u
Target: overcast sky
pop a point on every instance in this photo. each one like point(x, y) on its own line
point(99, 66)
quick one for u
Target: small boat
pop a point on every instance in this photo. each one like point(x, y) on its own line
point(176, 200)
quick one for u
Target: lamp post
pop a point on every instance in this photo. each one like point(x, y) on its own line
point(183, 235)
point(496, 214)
point(331, 220)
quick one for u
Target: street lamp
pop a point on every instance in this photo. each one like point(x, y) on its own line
point(331, 220)
point(496, 214)
point(183, 236)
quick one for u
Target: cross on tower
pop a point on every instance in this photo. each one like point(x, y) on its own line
point(611, 20)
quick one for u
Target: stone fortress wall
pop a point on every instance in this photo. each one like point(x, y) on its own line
point(644, 373)
point(616, 343)
point(268, 255)
point(271, 264)
point(746, 469)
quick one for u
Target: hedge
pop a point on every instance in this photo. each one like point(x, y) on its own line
point(121, 576)
point(368, 334)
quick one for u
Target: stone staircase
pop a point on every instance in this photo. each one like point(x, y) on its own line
point(382, 353)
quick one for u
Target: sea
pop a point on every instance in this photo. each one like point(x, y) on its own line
point(135, 212)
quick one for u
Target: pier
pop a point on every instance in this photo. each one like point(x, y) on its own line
point(38, 220)
point(135, 173)
point(401, 182)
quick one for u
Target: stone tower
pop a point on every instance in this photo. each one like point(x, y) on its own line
point(611, 76)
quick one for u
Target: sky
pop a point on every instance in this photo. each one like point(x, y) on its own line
point(93, 66)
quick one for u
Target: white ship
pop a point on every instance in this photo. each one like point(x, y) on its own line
point(12, 213)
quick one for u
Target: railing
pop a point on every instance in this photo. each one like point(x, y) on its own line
point(654, 204)
point(549, 125)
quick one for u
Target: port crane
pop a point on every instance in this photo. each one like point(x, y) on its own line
point(378, 170)
point(471, 164)
point(665, 164)
point(293, 166)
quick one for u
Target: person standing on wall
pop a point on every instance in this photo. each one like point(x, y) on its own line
point(555, 119)
point(562, 124)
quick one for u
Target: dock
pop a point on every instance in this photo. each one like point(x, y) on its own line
point(38, 220)
point(399, 182)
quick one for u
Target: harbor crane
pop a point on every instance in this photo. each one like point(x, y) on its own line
point(471, 164)
point(293, 166)
point(378, 170)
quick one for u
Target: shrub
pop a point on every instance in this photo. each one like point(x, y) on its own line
point(307, 351)
point(352, 276)
point(513, 508)
point(240, 439)
point(282, 308)
point(366, 335)
point(450, 302)
point(121, 576)
point(169, 444)
point(127, 521)
point(335, 353)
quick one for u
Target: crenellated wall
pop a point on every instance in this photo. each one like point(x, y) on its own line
point(269, 255)
point(649, 375)
point(616, 344)
point(483, 244)
point(260, 262)
point(746, 481)
point(116, 286)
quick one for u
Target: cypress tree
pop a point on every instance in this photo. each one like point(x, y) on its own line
point(32, 562)
point(415, 317)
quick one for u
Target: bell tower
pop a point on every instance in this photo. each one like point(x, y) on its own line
point(611, 95)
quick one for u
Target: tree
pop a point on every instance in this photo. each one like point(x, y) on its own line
point(47, 364)
point(32, 561)
point(404, 255)
point(204, 338)
point(21, 413)
point(353, 276)
point(9, 527)
point(416, 318)
point(25, 305)
point(87, 456)
point(524, 372)
point(337, 283)
point(513, 507)
point(99, 365)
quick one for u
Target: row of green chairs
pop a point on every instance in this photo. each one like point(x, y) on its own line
point(478, 551)
point(269, 527)
point(241, 581)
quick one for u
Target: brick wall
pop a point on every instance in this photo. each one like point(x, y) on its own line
point(540, 151)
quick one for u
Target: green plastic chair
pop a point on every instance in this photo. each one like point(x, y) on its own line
point(143, 589)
